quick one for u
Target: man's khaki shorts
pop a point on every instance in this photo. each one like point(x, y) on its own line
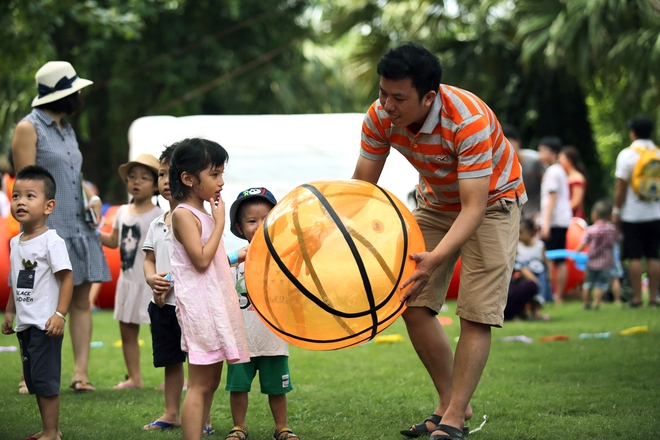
point(487, 260)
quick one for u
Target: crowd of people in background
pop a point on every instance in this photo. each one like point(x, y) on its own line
point(556, 183)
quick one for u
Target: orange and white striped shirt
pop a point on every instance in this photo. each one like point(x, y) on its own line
point(460, 139)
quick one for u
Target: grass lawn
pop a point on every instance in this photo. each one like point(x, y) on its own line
point(586, 389)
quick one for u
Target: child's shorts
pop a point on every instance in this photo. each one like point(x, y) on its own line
point(273, 375)
point(557, 240)
point(599, 279)
point(165, 336)
point(42, 361)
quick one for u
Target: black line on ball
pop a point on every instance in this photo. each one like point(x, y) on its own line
point(323, 305)
point(329, 341)
point(404, 231)
point(354, 251)
point(285, 270)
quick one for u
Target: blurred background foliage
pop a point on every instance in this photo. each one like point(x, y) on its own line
point(573, 68)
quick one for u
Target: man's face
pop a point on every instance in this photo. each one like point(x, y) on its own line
point(546, 155)
point(401, 102)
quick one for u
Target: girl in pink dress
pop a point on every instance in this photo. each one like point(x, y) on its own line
point(206, 300)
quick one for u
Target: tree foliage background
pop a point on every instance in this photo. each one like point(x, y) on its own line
point(573, 68)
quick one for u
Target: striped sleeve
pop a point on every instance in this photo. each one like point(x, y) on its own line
point(374, 143)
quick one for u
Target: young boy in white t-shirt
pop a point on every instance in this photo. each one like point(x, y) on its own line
point(269, 354)
point(42, 285)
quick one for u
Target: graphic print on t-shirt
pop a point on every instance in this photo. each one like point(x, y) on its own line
point(25, 282)
point(128, 245)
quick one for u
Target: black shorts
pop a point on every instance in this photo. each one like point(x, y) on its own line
point(557, 240)
point(42, 361)
point(640, 240)
point(165, 336)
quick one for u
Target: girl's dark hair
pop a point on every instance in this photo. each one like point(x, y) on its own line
point(573, 155)
point(193, 156)
point(68, 105)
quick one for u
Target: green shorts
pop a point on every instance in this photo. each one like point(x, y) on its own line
point(273, 375)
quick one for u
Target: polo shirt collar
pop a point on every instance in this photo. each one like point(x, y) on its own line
point(433, 118)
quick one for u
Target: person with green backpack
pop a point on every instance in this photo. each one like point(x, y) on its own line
point(637, 207)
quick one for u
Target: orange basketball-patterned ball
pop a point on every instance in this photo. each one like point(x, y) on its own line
point(323, 270)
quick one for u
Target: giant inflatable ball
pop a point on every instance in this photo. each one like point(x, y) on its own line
point(323, 270)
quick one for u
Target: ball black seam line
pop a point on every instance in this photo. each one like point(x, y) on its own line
point(329, 341)
point(404, 230)
point(356, 256)
point(325, 299)
point(285, 270)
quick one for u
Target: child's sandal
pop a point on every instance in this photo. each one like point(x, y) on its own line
point(237, 432)
point(284, 433)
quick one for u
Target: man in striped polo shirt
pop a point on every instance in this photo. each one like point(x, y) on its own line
point(469, 196)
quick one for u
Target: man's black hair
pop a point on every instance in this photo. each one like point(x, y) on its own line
point(641, 126)
point(40, 174)
point(552, 142)
point(511, 132)
point(413, 61)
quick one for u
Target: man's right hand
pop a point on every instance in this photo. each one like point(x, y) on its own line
point(425, 266)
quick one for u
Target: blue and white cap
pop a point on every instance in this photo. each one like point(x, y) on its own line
point(243, 196)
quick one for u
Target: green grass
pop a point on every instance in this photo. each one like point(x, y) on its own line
point(586, 389)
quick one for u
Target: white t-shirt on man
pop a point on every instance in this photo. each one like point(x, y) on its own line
point(35, 286)
point(634, 209)
point(555, 180)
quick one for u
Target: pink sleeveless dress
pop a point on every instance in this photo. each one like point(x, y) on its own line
point(207, 304)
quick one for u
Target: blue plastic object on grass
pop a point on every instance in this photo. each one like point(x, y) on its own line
point(579, 258)
point(604, 335)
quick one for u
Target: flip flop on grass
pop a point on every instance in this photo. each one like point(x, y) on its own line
point(81, 386)
point(158, 425)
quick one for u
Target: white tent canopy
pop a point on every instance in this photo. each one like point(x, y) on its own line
point(278, 152)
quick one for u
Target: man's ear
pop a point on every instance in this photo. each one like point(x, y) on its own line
point(429, 98)
point(50, 205)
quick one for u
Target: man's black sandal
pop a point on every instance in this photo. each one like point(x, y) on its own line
point(454, 433)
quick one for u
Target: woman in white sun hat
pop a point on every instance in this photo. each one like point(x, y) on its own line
point(45, 138)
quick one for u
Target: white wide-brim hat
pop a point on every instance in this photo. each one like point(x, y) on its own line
point(56, 80)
